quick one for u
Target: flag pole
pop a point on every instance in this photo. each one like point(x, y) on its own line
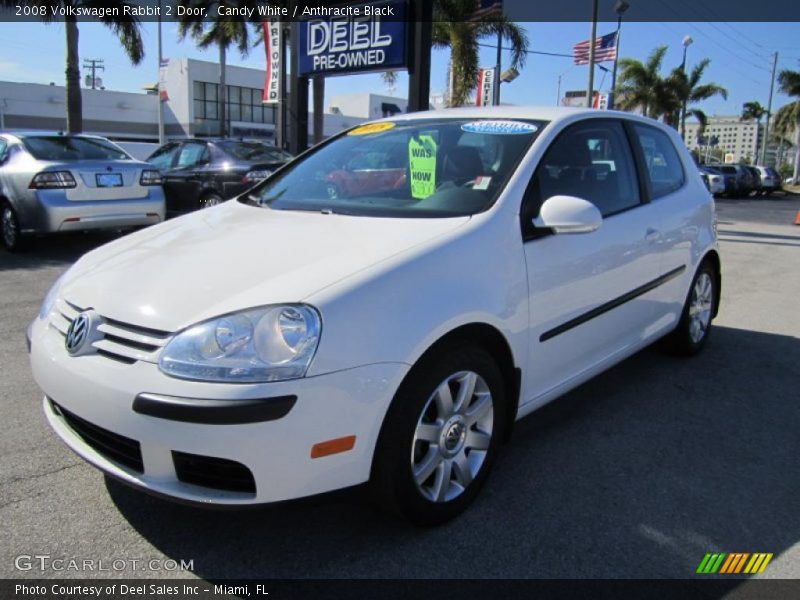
point(590, 87)
point(158, 87)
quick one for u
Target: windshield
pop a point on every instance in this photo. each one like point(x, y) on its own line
point(420, 168)
point(60, 147)
point(254, 151)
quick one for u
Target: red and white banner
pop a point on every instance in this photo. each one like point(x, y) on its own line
point(272, 46)
point(485, 94)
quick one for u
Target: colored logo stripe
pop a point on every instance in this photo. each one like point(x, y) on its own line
point(734, 562)
point(711, 563)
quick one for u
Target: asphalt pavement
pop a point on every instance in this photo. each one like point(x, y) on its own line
point(636, 474)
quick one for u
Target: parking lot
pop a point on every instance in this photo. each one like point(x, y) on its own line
point(635, 475)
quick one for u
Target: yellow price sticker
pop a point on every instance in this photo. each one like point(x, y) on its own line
point(371, 128)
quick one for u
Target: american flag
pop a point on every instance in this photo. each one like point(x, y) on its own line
point(605, 48)
point(487, 8)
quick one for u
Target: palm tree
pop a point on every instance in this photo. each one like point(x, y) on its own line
point(217, 31)
point(753, 111)
point(127, 31)
point(788, 117)
point(455, 27)
point(641, 86)
point(689, 90)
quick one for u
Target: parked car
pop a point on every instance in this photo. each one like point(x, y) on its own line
point(756, 187)
point(770, 180)
point(738, 180)
point(52, 182)
point(289, 343)
point(714, 180)
point(200, 173)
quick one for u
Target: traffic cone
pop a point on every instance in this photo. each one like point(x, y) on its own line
point(797, 218)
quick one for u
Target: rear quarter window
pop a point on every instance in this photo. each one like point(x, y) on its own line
point(664, 169)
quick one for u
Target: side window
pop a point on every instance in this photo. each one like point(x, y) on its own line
point(664, 168)
point(3, 148)
point(191, 154)
point(162, 158)
point(590, 160)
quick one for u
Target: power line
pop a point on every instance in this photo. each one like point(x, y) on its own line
point(529, 51)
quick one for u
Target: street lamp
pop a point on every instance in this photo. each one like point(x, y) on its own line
point(620, 7)
point(687, 41)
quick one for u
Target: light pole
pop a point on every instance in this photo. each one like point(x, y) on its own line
point(620, 7)
point(590, 87)
point(687, 41)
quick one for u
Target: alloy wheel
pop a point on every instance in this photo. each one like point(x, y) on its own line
point(700, 307)
point(9, 220)
point(452, 436)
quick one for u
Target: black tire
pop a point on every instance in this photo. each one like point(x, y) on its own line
point(10, 233)
point(684, 340)
point(392, 482)
point(211, 199)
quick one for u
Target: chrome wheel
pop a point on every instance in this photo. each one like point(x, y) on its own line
point(700, 307)
point(10, 232)
point(452, 437)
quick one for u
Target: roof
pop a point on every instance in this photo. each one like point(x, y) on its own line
point(544, 113)
point(45, 133)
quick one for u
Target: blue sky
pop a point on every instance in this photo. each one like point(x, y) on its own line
point(739, 53)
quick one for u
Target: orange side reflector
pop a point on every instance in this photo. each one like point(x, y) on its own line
point(342, 444)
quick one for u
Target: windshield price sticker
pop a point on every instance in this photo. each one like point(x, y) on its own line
point(500, 127)
point(422, 166)
point(371, 128)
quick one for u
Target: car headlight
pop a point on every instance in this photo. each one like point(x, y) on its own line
point(50, 299)
point(272, 343)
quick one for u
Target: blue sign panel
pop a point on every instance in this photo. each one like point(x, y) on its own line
point(372, 37)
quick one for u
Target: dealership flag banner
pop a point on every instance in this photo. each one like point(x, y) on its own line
point(485, 95)
point(605, 49)
point(162, 80)
point(272, 46)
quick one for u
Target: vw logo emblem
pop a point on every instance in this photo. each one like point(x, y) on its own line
point(78, 333)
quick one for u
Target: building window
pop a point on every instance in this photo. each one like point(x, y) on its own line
point(244, 104)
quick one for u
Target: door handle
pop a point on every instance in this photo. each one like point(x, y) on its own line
point(652, 234)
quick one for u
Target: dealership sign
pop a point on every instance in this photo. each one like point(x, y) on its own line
point(485, 95)
point(355, 44)
point(272, 46)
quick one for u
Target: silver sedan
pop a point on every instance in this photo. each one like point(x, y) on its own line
point(52, 182)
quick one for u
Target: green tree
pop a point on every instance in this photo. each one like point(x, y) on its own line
point(128, 32)
point(641, 86)
point(689, 89)
point(455, 28)
point(788, 117)
point(222, 32)
point(753, 111)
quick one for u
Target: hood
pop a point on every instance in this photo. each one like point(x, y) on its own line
point(234, 256)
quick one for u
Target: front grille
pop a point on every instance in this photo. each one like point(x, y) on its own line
point(212, 472)
point(122, 342)
point(113, 446)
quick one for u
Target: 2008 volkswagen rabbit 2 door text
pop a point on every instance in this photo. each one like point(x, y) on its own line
point(309, 336)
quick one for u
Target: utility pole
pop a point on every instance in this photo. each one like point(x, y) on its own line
point(95, 64)
point(769, 111)
point(590, 87)
point(497, 67)
point(620, 7)
point(160, 101)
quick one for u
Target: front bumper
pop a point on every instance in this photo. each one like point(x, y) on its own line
point(52, 212)
point(277, 452)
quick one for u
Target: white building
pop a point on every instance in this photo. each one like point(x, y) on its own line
point(736, 137)
point(191, 108)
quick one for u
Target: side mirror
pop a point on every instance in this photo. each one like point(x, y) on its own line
point(568, 214)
